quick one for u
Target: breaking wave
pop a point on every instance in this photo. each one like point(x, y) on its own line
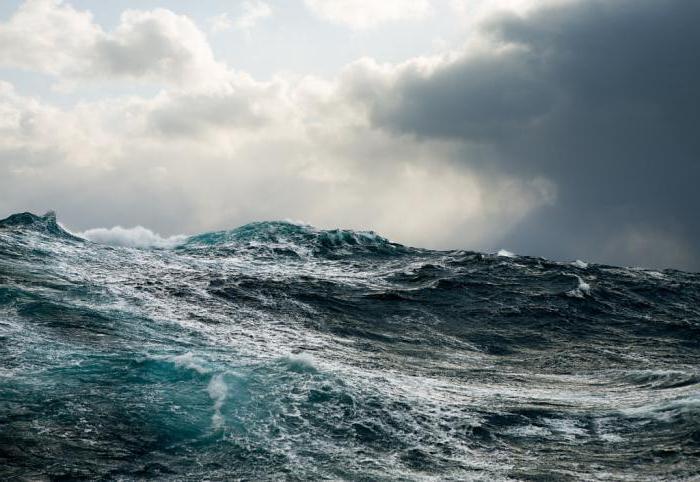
point(136, 237)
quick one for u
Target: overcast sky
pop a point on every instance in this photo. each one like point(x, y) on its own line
point(559, 128)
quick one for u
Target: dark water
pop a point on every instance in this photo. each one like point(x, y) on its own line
point(276, 351)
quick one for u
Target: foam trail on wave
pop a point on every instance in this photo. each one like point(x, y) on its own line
point(217, 391)
point(136, 237)
point(189, 361)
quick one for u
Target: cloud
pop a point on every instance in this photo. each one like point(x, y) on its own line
point(597, 97)
point(253, 12)
point(45, 36)
point(220, 23)
point(154, 46)
point(191, 114)
point(475, 11)
point(565, 130)
point(307, 154)
point(364, 14)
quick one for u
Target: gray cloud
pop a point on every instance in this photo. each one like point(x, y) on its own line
point(194, 114)
point(599, 97)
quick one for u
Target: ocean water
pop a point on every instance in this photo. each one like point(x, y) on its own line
point(276, 351)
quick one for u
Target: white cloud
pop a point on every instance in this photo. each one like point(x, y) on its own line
point(45, 36)
point(187, 161)
point(239, 150)
point(220, 23)
point(156, 46)
point(364, 14)
point(236, 151)
point(253, 12)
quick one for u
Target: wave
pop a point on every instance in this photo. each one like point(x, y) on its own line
point(660, 379)
point(580, 264)
point(136, 237)
point(295, 239)
point(45, 224)
point(583, 289)
point(279, 351)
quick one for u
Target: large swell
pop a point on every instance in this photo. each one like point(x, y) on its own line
point(278, 351)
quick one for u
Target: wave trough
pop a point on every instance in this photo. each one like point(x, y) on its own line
point(279, 351)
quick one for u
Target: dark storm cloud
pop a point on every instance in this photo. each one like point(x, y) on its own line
point(600, 97)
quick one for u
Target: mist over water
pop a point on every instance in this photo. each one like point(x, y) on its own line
point(278, 351)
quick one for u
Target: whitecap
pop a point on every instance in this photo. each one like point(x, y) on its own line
point(136, 237)
point(301, 363)
point(579, 264)
point(505, 253)
point(581, 290)
point(188, 360)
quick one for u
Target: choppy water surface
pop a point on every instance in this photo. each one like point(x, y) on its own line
point(277, 351)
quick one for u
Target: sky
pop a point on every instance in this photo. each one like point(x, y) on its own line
point(568, 129)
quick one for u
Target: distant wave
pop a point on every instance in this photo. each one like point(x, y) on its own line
point(291, 238)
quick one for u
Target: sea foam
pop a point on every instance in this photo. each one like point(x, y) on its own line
point(581, 290)
point(504, 253)
point(218, 390)
point(136, 237)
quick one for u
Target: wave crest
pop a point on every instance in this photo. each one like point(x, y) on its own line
point(136, 237)
point(298, 239)
point(45, 224)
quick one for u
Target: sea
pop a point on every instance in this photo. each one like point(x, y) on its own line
point(278, 351)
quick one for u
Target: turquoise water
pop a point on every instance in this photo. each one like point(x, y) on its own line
point(278, 351)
